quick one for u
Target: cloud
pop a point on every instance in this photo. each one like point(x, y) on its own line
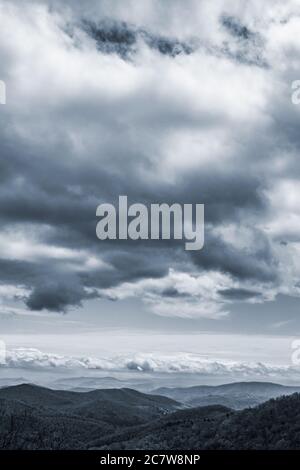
point(106, 100)
point(122, 39)
point(190, 295)
point(180, 363)
point(56, 296)
point(240, 294)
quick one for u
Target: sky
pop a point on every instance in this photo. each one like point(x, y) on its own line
point(165, 102)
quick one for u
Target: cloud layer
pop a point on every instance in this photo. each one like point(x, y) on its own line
point(180, 363)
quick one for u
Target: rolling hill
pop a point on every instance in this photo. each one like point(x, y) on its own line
point(235, 395)
point(33, 417)
point(274, 425)
point(36, 417)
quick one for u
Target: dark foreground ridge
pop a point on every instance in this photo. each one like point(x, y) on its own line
point(33, 417)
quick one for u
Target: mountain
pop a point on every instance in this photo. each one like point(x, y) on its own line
point(166, 433)
point(271, 425)
point(235, 395)
point(82, 384)
point(127, 405)
point(30, 415)
point(11, 381)
point(33, 417)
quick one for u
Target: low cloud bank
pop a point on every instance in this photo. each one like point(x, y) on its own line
point(34, 359)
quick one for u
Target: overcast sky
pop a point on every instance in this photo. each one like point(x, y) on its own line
point(162, 101)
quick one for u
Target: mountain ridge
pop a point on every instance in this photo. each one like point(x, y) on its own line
point(236, 395)
point(35, 417)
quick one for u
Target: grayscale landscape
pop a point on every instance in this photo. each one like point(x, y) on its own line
point(34, 417)
point(149, 224)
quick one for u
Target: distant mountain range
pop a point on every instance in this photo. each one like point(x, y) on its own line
point(33, 417)
point(235, 395)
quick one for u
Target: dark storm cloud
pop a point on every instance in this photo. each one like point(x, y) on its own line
point(236, 28)
point(217, 254)
point(51, 287)
point(172, 292)
point(122, 39)
point(19, 272)
point(44, 198)
point(56, 295)
point(239, 294)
